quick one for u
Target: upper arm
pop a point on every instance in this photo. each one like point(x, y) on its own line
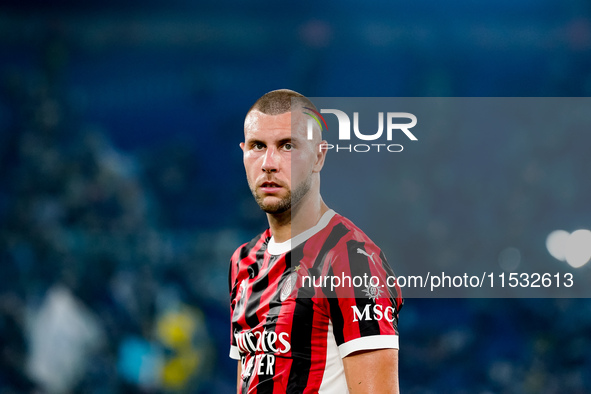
point(365, 320)
point(239, 378)
point(364, 312)
point(374, 371)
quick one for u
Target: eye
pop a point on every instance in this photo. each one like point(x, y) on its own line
point(258, 146)
point(288, 146)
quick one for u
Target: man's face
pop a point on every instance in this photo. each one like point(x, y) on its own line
point(279, 161)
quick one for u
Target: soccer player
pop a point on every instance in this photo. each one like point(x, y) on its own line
point(291, 335)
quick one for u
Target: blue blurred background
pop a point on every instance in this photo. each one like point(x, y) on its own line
point(122, 190)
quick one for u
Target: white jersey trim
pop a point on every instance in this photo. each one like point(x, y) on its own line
point(372, 342)
point(333, 378)
point(234, 353)
point(279, 248)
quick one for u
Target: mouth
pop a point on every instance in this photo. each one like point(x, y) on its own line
point(269, 187)
point(270, 184)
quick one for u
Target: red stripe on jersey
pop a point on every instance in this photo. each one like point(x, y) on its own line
point(319, 338)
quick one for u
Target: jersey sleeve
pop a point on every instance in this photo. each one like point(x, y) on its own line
point(363, 309)
point(232, 287)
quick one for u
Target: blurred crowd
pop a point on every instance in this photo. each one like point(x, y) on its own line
point(95, 295)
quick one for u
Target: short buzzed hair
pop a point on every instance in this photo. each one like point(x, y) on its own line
point(279, 101)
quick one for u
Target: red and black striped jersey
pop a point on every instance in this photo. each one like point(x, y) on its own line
point(292, 323)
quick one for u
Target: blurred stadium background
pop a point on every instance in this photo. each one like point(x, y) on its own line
point(122, 194)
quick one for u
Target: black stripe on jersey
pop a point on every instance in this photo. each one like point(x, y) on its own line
point(254, 268)
point(234, 286)
point(336, 315)
point(360, 264)
point(258, 286)
point(231, 284)
point(265, 386)
point(247, 382)
point(389, 272)
point(301, 333)
point(244, 252)
point(394, 294)
point(275, 303)
point(249, 246)
point(337, 232)
point(301, 343)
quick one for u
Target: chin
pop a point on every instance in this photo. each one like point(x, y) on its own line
point(275, 207)
point(275, 211)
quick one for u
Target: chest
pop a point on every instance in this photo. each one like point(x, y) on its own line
point(272, 312)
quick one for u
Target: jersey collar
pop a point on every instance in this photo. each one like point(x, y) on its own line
point(284, 247)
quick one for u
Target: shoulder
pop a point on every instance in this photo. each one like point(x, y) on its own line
point(257, 244)
point(246, 254)
point(354, 252)
point(350, 236)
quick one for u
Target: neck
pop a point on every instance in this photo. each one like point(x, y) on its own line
point(299, 218)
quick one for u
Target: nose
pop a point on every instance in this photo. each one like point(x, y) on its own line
point(270, 161)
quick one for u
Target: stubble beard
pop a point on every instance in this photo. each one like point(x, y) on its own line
point(285, 203)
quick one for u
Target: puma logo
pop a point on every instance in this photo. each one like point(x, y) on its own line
point(363, 252)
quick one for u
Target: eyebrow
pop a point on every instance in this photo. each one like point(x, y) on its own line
point(280, 142)
point(253, 141)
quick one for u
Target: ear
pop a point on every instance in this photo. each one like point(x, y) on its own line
point(320, 155)
point(242, 146)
